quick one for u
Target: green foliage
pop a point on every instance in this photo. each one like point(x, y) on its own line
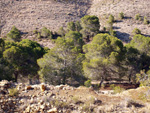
point(6, 70)
point(76, 99)
point(87, 83)
point(38, 35)
point(141, 43)
point(143, 78)
point(136, 31)
point(138, 55)
point(137, 17)
point(46, 33)
point(112, 32)
point(61, 31)
point(117, 89)
point(13, 92)
point(78, 26)
point(111, 19)
point(110, 22)
point(35, 32)
point(90, 26)
point(64, 60)
point(145, 20)
point(71, 26)
point(23, 57)
point(103, 57)
point(121, 15)
point(14, 34)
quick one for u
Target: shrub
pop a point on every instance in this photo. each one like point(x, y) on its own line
point(136, 31)
point(143, 78)
point(145, 20)
point(117, 89)
point(71, 26)
point(111, 19)
point(76, 100)
point(59, 104)
point(35, 32)
point(112, 32)
point(87, 83)
point(61, 31)
point(110, 22)
point(14, 34)
point(38, 35)
point(137, 17)
point(104, 29)
point(87, 108)
point(13, 92)
point(121, 15)
point(46, 33)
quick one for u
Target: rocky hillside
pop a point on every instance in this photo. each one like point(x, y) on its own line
point(44, 98)
point(28, 15)
point(124, 28)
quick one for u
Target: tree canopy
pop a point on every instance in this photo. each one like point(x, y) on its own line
point(14, 34)
point(103, 57)
point(64, 60)
point(23, 56)
point(90, 26)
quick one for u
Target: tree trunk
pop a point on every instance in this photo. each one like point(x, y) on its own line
point(30, 81)
point(101, 82)
point(88, 38)
point(130, 78)
point(64, 80)
point(38, 80)
point(16, 76)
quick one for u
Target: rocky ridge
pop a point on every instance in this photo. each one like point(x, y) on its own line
point(44, 98)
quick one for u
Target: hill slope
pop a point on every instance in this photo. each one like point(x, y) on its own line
point(27, 15)
point(124, 28)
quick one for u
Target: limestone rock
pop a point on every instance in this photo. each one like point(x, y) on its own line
point(53, 110)
point(43, 87)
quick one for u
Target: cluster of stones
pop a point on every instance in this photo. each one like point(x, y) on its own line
point(32, 98)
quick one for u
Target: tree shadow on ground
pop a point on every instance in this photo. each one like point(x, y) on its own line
point(125, 37)
point(114, 27)
point(146, 35)
point(118, 21)
point(126, 17)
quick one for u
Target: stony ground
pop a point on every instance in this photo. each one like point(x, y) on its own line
point(27, 15)
point(44, 98)
point(124, 28)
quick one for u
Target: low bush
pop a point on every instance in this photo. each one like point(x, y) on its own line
point(145, 20)
point(46, 33)
point(136, 31)
point(143, 78)
point(121, 15)
point(117, 89)
point(137, 17)
point(87, 83)
point(13, 92)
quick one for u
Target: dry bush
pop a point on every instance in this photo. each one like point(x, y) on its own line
point(13, 92)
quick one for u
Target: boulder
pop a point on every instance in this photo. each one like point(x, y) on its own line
point(43, 87)
point(53, 110)
point(4, 84)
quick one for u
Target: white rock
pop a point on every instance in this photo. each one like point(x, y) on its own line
point(53, 110)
